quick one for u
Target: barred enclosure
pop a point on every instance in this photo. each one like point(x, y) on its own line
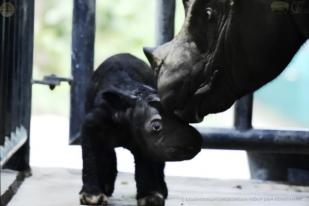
point(271, 152)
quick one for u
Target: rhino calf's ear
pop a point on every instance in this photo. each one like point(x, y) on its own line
point(115, 97)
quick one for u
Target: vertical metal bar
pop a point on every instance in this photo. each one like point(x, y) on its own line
point(83, 34)
point(165, 21)
point(243, 113)
point(28, 15)
point(8, 54)
point(2, 78)
point(27, 59)
point(19, 65)
point(14, 84)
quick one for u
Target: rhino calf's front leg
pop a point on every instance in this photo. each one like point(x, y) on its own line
point(149, 176)
point(91, 193)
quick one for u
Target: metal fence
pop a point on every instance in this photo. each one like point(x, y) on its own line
point(16, 37)
point(243, 136)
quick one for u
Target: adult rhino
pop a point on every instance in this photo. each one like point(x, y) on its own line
point(225, 50)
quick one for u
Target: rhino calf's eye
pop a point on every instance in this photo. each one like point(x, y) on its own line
point(156, 126)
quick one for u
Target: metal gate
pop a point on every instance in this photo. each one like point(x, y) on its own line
point(16, 55)
point(243, 136)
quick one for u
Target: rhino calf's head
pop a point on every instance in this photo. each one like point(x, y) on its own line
point(161, 135)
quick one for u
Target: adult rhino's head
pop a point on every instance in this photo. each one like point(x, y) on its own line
point(225, 49)
point(161, 135)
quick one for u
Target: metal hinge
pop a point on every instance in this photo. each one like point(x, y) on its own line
point(52, 81)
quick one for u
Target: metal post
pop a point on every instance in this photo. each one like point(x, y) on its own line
point(8, 54)
point(83, 34)
point(165, 21)
point(2, 78)
point(27, 59)
point(243, 113)
point(14, 84)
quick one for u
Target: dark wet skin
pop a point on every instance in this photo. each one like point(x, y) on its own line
point(131, 99)
point(123, 109)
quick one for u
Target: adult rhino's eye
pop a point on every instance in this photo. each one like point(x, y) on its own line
point(210, 13)
point(156, 126)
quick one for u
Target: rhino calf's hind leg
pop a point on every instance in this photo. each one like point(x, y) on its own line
point(107, 170)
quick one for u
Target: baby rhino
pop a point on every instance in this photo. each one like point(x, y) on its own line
point(123, 109)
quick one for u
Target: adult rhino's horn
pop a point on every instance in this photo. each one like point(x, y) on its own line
point(148, 51)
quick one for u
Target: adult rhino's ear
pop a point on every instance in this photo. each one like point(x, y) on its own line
point(116, 97)
point(148, 51)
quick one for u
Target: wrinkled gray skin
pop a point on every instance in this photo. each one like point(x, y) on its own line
point(225, 50)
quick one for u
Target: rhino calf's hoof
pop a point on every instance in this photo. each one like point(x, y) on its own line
point(88, 199)
point(155, 199)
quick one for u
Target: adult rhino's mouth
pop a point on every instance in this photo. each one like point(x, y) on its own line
point(179, 67)
point(178, 90)
point(173, 95)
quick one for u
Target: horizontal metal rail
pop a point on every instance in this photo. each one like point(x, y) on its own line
point(276, 141)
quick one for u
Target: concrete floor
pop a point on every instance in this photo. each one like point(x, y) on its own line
point(60, 187)
point(56, 186)
point(7, 178)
